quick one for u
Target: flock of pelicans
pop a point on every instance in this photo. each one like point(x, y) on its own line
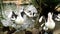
point(24, 18)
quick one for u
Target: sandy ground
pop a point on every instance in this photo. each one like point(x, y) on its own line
point(57, 28)
point(56, 31)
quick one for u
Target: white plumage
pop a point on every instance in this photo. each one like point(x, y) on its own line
point(19, 19)
point(22, 23)
point(31, 11)
point(40, 18)
point(58, 17)
point(50, 23)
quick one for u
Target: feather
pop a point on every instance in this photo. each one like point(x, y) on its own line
point(50, 23)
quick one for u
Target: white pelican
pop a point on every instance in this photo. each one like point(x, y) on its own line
point(50, 23)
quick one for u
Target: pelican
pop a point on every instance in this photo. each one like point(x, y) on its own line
point(50, 23)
